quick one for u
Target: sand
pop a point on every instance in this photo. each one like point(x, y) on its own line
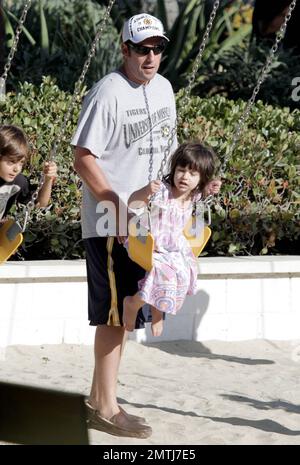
point(191, 393)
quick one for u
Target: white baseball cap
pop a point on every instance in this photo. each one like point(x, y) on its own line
point(141, 27)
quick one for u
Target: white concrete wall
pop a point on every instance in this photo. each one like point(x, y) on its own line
point(45, 302)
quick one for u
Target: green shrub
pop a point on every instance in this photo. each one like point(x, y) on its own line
point(53, 233)
point(262, 218)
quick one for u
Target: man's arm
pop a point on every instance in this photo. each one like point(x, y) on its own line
point(93, 176)
point(88, 170)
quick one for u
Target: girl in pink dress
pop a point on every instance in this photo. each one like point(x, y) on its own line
point(174, 271)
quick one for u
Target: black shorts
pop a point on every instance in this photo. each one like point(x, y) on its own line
point(111, 276)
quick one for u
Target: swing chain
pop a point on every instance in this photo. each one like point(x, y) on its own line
point(31, 204)
point(187, 91)
point(80, 81)
point(263, 75)
point(185, 102)
point(14, 45)
point(191, 78)
point(167, 152)
point(150, 133)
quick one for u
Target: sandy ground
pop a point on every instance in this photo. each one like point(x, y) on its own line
point(190, 392)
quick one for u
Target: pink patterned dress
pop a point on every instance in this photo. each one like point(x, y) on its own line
point(174, 274)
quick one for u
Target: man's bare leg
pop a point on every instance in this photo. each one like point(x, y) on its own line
point(109, 341)
point(108, 344)
point(131, 306)
point(93, 400)
point(157, 324)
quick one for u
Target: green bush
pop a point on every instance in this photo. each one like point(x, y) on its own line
point(263, 218)
point(52, 233)
point(258, 209)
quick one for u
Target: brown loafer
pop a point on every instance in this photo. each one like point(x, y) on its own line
point(90, 412)
point(119, 425)
point(135, 418)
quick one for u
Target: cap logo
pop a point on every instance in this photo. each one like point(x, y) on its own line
point(147, 21)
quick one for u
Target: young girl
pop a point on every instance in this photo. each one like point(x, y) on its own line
point(14, 186)
point(174, 273)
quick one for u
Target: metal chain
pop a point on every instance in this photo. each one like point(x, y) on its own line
point(192, 76)
point(30, 205)
point(167, 152)
point(80, 81)
point(14, 46)
point(264, 72)
point(151, 134)
point(187, 91)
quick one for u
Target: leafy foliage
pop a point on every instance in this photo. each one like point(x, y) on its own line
point(262, 218)
point(234, 74)
point(53, 232)
point(56, 40)
point(258, 210)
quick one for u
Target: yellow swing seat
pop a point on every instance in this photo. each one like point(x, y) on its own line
point(11, 238)
point(140, 247)
point(197, 241)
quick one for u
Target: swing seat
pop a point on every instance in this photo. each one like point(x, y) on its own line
point(199, 240)
point(11, 238)
point(140, 247)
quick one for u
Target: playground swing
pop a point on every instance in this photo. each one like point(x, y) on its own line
point(11, 231)
point(141, 241)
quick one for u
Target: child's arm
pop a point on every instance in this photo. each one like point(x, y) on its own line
point(141, 197)
point(50, 173)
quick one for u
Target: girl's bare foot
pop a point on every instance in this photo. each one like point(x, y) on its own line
point(129, 313)
point(157, 324)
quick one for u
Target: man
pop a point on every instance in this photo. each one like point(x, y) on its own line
point(122, 133)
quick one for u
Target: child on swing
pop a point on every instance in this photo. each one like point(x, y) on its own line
point(14, 186)
point(174, 271)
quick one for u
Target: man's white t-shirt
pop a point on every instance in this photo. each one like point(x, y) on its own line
point(114, 126)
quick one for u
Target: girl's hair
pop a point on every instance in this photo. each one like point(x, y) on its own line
point(196, 157)
point(13, 143)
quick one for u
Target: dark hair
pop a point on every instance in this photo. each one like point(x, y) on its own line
point(196, 157)
point(13, 143)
